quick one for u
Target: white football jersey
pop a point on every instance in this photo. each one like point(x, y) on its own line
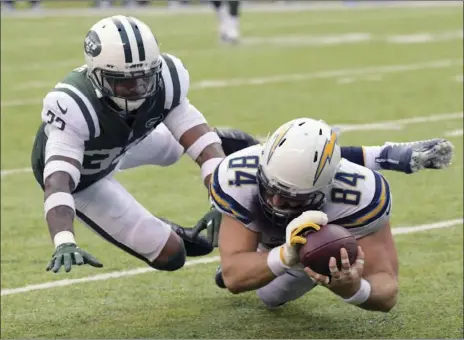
point(359, 200)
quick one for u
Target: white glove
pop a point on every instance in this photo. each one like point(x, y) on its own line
point(285, 256)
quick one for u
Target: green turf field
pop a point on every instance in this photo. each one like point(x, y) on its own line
point(345, 66)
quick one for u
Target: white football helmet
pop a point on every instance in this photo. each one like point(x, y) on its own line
point(298, 163)
point(123, 60)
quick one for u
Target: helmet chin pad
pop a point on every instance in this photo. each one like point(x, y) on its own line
point(129, 105)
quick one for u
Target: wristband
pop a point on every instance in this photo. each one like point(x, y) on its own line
point(361, 295)
point(209, 166)
point(56, 199)
point(275, 261)
point(63, 237)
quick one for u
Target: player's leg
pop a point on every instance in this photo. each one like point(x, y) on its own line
point(234, 15)
point(108, 209)
point(158, 148)
point(285, 288)
point(162, 149)
point(404, 157)
point(222, 18)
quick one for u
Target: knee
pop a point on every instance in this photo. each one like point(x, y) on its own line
point(269, 300)
point(172, 256)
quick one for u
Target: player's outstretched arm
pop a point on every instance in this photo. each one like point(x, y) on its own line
point(243, 268)
point(210, 156)
point(201, 142)
point(371, 283)
point(67, 130)
point(59, 213)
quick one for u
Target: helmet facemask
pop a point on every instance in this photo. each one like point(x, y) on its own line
point(294, 204)
point(128, 90)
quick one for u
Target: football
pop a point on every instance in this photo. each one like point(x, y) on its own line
point(326, 243)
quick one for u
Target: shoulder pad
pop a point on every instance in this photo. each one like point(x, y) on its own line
point(68, 109)
point(233, 185)
point(362, 203)
point(228, 199)
point(176, 81)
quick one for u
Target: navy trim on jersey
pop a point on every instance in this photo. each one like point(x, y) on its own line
point(226, 202)
point(108, 237)
point(175, 80)
point(82, 106)
point(378, 206)
point(124, 40)
point(138, 38)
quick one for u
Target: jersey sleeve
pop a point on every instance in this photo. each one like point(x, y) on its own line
point(226, 199)
point(67, 109)
point(367, 218)
point(176, 80)
point(69, 120)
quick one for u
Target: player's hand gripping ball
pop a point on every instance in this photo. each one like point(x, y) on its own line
point(326, 243)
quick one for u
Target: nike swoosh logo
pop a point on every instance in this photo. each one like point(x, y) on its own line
point(63, 111)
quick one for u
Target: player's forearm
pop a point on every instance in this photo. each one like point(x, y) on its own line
point(211, 153)
point(203, 145)
point(384, 292)
point(59, 218)
point(246, 271)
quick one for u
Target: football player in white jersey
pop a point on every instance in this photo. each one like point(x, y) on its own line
point(269, 194)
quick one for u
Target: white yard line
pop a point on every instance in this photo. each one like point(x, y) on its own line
point(284, 78)
point(353, 38)
point(138, 271)
point(247, 7)
point(454, 133)
point(399, 123)
point(388, 125)
point(320, 40)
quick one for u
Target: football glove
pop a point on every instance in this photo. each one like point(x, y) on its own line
point(309, 221)
point(69, 254)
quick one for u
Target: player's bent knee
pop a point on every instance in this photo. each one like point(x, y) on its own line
point(175, 262)
point(269, 300)
point(172, 256)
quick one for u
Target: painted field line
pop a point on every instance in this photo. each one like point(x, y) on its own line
point(454, 133)
point(248, 7)
point(285, 78)
point(385, 125)
point(399, 123)
point(138, 271)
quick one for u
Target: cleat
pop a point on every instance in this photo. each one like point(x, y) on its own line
point(414, 156)
point(198, 246)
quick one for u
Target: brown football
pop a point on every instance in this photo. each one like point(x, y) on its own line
point(326, 243)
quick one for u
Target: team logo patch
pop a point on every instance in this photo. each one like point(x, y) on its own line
point(152, 122)
point(92, 44)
